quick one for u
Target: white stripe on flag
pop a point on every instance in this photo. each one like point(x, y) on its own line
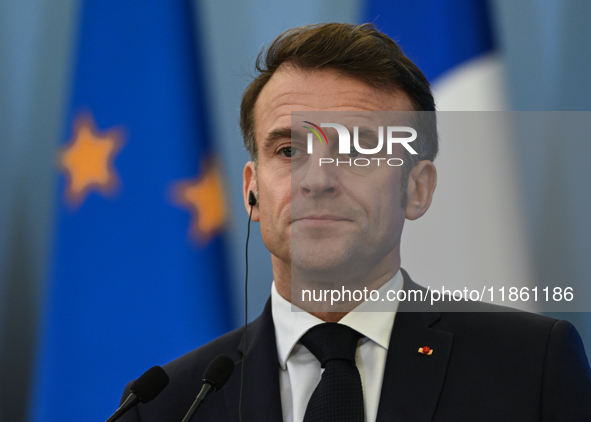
point(474, 234)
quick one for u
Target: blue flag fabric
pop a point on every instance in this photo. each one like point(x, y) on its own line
point(138, 274)
point(436, 35)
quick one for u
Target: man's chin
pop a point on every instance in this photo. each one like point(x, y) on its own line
point(324, 272)
point(317, 260)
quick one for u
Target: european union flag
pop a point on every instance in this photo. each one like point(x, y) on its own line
point(138, 274)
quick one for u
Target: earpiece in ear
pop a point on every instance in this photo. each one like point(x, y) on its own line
point(252, 200)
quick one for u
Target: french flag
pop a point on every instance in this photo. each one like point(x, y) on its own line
point(474, 234)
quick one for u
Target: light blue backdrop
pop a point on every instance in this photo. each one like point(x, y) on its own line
point(546, 45)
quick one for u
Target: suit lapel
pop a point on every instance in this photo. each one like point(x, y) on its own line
point(261, 400)
point(413, 381)
point(410, 389)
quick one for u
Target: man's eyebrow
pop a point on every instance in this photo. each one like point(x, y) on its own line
point(275, 134)
point(367, 132)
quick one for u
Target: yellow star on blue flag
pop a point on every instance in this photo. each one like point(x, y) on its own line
point(128, 289)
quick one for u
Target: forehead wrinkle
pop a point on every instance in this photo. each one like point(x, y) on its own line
point(358, 101)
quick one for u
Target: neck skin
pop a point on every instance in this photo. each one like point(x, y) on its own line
point(381, 273)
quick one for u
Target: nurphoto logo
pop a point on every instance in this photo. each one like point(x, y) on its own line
point(345, 143)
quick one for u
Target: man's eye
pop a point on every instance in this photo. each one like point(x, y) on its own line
point(289, 151)
point(354, 152)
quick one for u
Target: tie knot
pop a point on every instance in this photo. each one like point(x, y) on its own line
point(330, 341)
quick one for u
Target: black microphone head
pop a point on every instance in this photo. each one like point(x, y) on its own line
point(150, 384)
point(218, 371)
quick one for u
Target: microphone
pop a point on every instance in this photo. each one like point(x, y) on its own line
point(252, 200)
point(144, 389)
point(216, 375)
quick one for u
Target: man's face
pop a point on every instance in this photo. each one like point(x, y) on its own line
point(324, 220)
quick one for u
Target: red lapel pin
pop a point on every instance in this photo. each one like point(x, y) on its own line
point(426, 350)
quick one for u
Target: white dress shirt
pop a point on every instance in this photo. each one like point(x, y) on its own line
point(300, 371)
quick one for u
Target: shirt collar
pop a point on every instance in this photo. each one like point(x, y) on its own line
point(290, 325)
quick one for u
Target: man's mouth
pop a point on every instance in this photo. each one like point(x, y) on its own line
point(320, 219)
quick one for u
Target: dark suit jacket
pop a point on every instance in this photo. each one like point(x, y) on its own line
point(485, 366)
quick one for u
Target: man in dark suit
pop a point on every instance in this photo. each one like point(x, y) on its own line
point(323, 225)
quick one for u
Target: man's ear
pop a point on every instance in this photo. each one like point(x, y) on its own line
point(249, 183)
point(421, 185)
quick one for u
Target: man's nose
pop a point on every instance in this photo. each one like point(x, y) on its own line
point(320, 179)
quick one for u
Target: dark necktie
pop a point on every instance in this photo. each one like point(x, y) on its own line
point(339, 394)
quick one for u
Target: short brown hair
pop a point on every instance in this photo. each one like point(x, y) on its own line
point(361, 52)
